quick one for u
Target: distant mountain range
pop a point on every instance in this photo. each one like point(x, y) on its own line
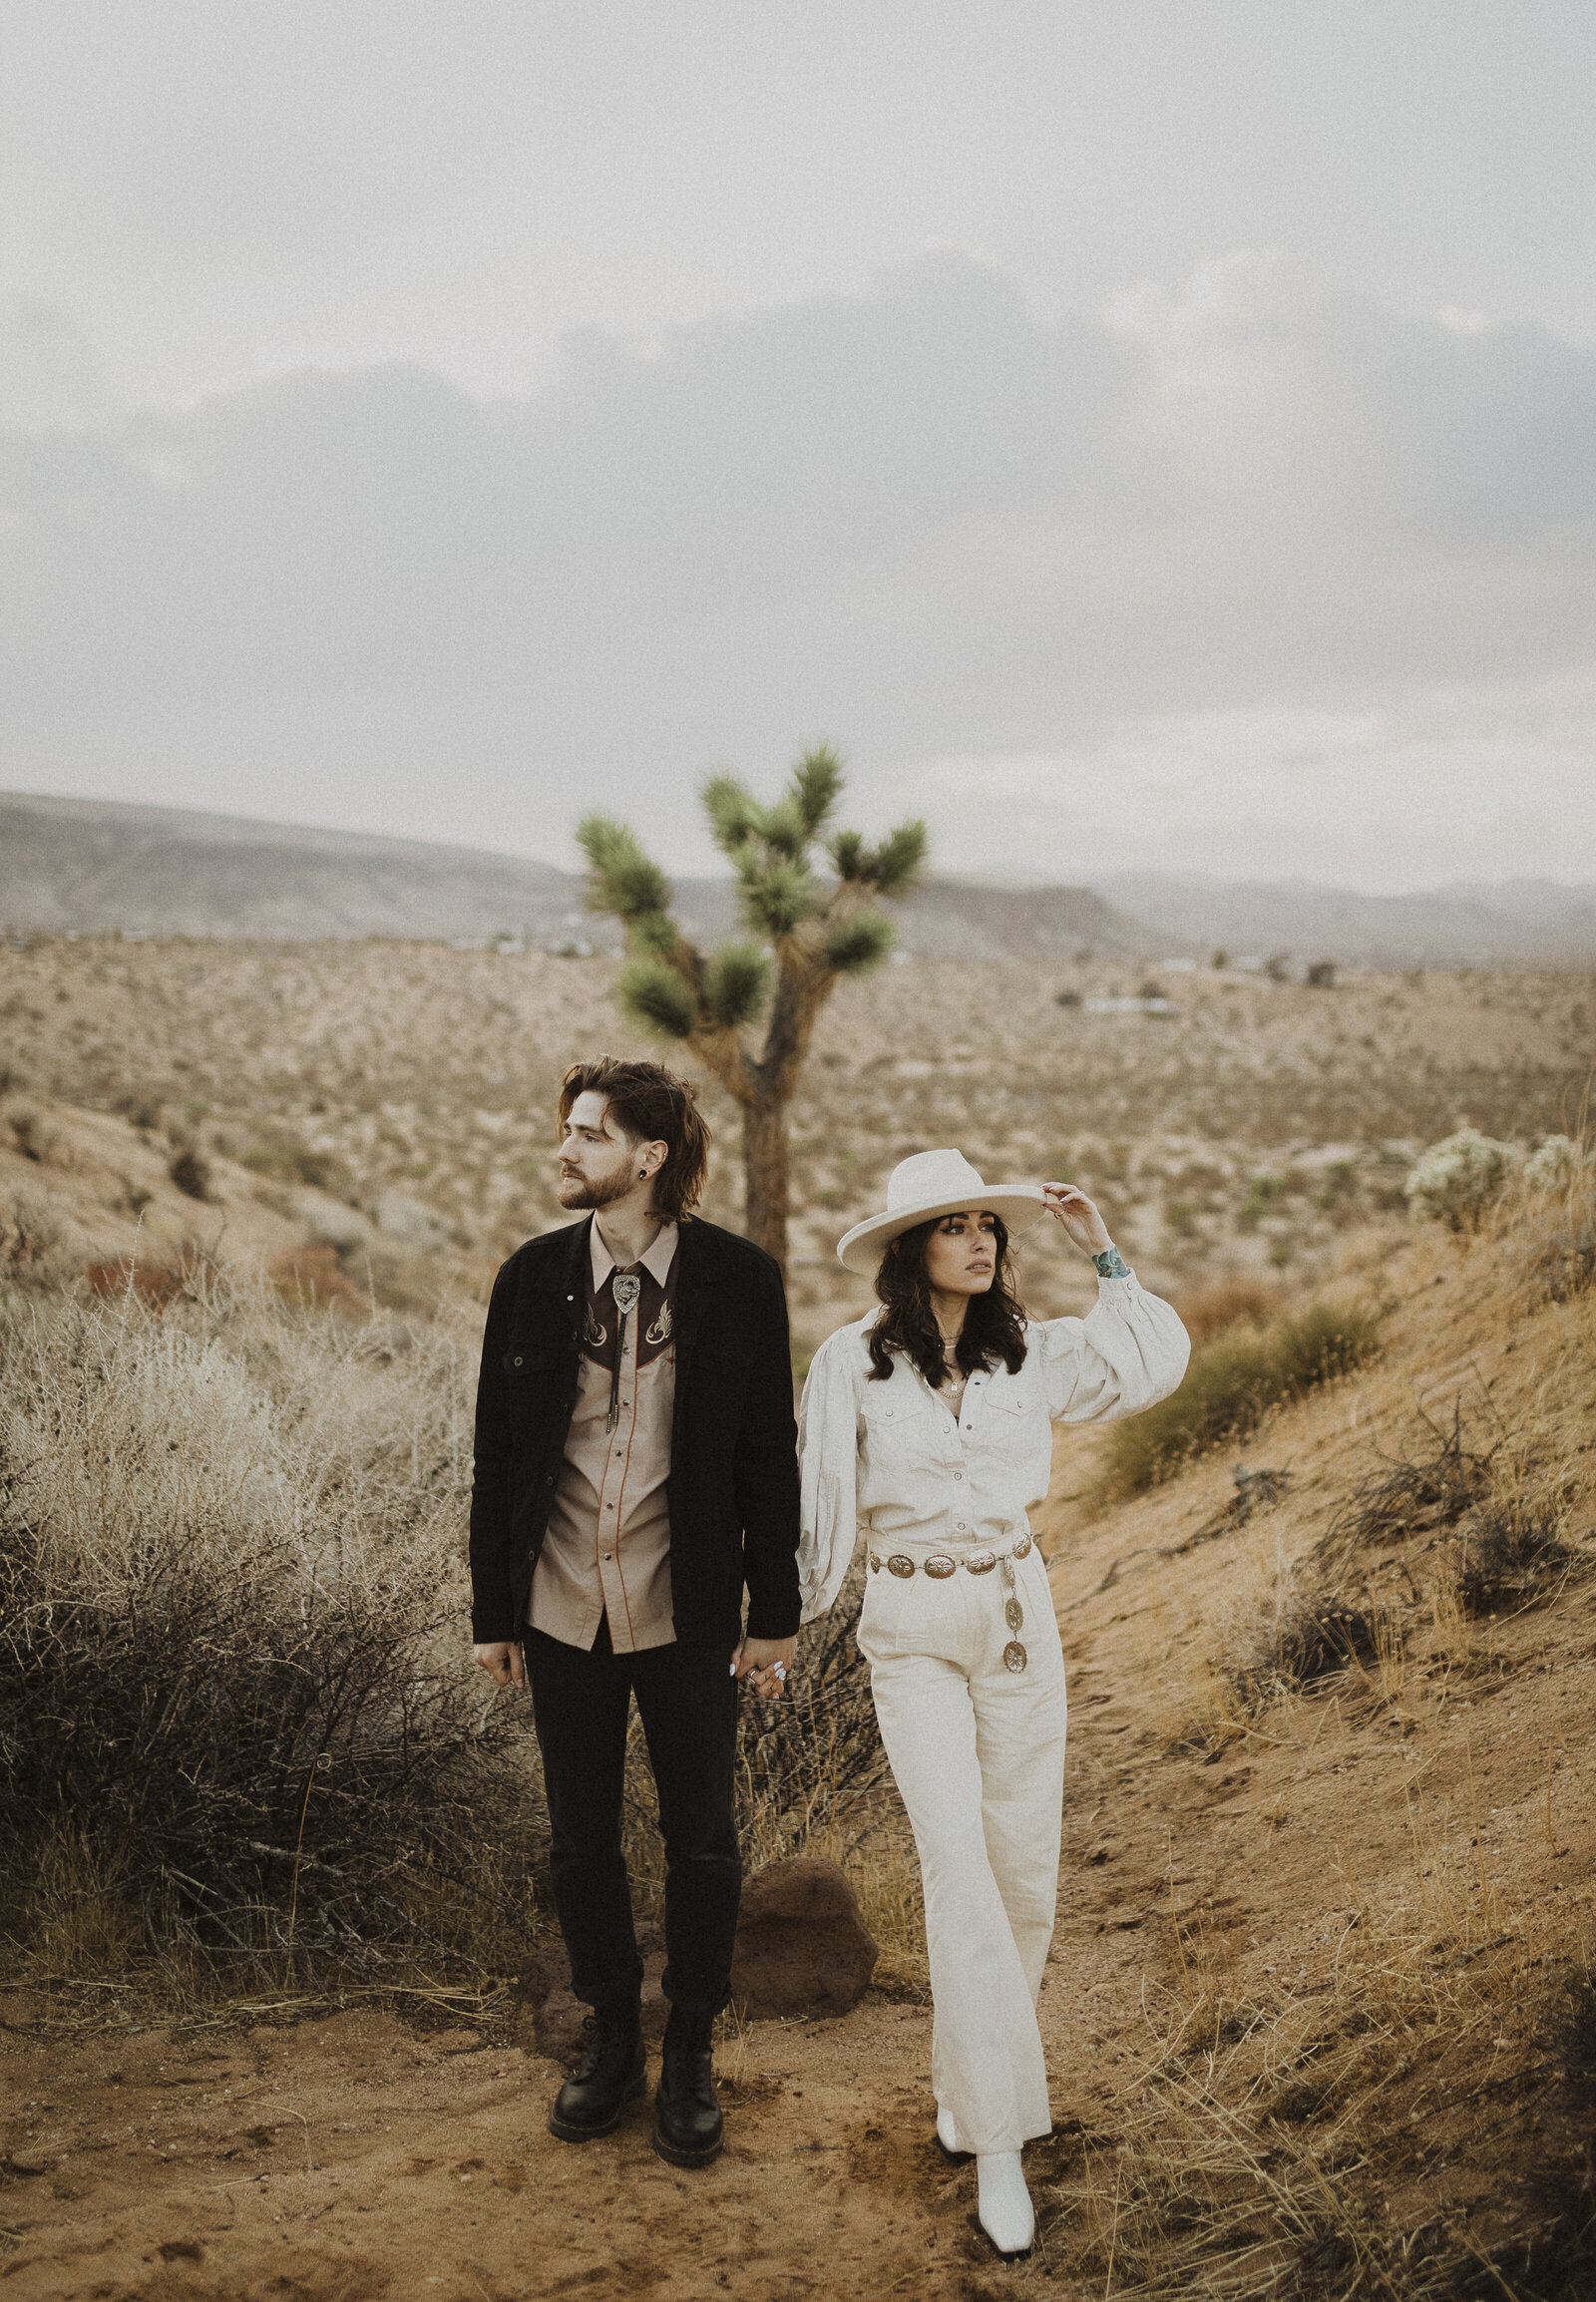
point(1521, 923)
point(97, 867)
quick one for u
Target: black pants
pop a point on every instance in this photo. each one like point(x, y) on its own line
point(687, 1700)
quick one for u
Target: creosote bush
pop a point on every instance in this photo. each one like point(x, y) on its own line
point(235, 1704)
point(1229, 1386)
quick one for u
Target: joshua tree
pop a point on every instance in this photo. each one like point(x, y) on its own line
point(816, 929)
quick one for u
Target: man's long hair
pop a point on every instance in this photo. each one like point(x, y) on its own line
point(651, 1105)
point(994, 1321)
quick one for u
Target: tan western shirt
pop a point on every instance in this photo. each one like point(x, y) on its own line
point(607, 1550)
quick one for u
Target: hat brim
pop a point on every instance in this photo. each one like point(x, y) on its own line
point(1020, 1205)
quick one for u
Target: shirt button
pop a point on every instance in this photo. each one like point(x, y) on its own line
point(958, 1474)
point(608, 1555)
point(963, 1529)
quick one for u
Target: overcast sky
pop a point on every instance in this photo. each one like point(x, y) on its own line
point(1153, 433)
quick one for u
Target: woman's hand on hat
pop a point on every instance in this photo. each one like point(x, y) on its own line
point(1078, 1216)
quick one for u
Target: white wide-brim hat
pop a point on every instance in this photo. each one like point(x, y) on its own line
point(930, 1184)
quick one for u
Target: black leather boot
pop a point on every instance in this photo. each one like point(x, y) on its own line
point(609, 2075)
point(689, 2128)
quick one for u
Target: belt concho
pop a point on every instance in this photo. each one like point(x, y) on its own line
point(939, 1566)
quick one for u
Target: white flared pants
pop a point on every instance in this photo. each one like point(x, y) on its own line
point(978, 1752)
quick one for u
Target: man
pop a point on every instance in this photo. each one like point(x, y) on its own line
point(635, 1467)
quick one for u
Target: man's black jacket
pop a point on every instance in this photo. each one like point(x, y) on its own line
point(733, 1487)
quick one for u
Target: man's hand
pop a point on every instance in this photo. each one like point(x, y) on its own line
point(756, 1659)
point(501, 1659)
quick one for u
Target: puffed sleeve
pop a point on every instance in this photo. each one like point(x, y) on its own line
point(828, 1455)
point(1129, 1352)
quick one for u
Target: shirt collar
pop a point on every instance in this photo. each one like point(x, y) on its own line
point(656, 1262)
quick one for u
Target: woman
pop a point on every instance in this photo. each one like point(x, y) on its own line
point(927, 1426)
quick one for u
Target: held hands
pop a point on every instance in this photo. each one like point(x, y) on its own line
point(1078, 1217)
point(502, 1661)
point(765, 1662)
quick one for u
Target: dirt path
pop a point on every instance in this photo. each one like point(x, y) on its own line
point(357, 2156)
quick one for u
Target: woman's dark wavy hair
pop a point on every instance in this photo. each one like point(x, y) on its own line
point(994, 1322)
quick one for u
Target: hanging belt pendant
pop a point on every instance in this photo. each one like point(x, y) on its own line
point(1014, 1655)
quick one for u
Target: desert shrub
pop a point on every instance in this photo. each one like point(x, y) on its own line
point(1229, 1386)
point(232, 1667)
point(282, 1158)
point(190, 1169)
point(1557, 1163)
point(1316, 1635)
point(1231, 1303)
point(1428, 1488)
point(1551, 1215)
point(1456, 1180)
point(32, 1134)
point(32, 1247)
point(1511, 1556)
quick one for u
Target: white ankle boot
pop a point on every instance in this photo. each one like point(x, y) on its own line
point(948, 2134)
point(1002, 2203)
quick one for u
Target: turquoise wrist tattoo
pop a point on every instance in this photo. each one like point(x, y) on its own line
point(1110, 1264)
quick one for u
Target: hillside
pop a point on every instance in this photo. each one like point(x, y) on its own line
point(97, 868)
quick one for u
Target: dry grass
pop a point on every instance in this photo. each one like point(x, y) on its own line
point(233, 1726)
point(1231, 1383)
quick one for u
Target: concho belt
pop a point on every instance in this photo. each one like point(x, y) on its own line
point(941, 1564)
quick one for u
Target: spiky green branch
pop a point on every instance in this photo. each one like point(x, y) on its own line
point(805, 932)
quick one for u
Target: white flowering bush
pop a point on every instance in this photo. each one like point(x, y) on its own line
point(1557, 1163)
point(1456, 1180)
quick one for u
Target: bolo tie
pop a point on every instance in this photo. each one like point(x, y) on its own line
point(626, 1287)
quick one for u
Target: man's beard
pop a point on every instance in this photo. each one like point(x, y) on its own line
point(576, 1191)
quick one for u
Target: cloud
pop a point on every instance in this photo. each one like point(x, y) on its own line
point(1383, 800)
point(922, 518)
point(51, 377)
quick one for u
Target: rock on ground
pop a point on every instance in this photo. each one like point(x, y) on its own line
point(802, 1946)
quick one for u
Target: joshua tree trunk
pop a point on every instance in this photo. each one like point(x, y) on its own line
point(764, 1167)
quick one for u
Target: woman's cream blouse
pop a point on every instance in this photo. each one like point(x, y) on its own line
point(892, 1461)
